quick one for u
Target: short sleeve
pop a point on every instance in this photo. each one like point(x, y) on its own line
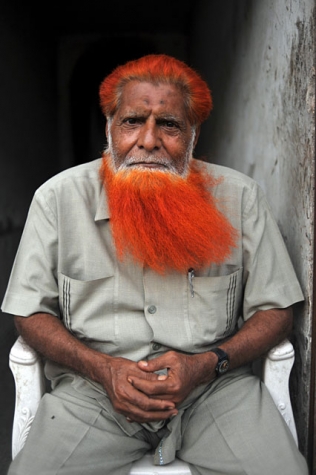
point(33, 285)
point(269, 278)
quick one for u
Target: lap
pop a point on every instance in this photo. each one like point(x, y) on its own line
point(72, 436)
point(238, 430)
point(232, 429)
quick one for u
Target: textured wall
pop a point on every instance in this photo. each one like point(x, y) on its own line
point(258, 58)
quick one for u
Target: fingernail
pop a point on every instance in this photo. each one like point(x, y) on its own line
point(162, 377)
point(143, 363)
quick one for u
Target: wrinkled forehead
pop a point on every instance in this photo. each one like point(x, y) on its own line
point(135, 92)
point(144, 89)
point(145, 98)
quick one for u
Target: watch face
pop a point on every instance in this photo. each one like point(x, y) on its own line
point(223, 366)
point(223, 361)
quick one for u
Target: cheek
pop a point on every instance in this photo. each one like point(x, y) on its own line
point(122, 145)
point(178, 150)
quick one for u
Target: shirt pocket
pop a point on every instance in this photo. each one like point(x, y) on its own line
point(87, 307)
point(214, 307)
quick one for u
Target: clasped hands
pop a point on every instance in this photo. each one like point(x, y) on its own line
point(142, 395)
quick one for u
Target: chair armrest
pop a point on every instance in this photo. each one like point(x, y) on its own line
point(276, 371)
point(27, 370)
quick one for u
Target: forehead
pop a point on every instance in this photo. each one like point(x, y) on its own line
point(143, 96)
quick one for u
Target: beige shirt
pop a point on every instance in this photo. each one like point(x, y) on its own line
point(66, 266)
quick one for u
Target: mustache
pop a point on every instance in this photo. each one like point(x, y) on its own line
point(148, 159)
point(136, 162)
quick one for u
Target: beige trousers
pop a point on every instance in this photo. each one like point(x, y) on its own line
point(232, 428)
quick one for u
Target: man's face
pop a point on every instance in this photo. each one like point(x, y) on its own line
point(150, 129)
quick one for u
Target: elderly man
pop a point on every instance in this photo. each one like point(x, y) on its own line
point(150, 282)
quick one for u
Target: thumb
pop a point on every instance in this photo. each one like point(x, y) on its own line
point(154, 365)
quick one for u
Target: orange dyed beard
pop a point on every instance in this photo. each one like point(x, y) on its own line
point(165, 221)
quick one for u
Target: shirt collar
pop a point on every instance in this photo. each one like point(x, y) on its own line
point(103, 207)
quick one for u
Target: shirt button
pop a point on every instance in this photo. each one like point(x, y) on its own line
point(156, 346)
point(152, 309)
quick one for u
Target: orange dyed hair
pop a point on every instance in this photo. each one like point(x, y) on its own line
point(158, 69)
point(165, 221)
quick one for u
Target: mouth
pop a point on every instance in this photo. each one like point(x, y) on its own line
point(148, 165)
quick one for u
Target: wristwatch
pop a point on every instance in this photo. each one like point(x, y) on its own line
point(223, 361)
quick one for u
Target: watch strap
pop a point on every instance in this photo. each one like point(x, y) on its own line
point(223, 361)
point(221, 354)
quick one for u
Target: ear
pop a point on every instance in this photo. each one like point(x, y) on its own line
point(197, 134)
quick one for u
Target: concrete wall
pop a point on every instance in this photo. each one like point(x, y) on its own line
point(27, 158)
point(258, 58)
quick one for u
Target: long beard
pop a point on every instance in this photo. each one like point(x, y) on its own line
point(165, 221)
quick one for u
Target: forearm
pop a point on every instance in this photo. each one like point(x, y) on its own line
point(263, 331)
point(47, 335)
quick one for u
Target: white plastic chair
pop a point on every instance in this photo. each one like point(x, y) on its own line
point(27, 370)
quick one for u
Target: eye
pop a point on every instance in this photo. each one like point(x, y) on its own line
point(130, 121)
point(169, 124)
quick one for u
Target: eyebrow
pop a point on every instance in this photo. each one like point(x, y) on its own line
point(172, 118)
point(159, 117)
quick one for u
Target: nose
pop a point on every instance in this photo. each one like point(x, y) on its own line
point(149, 136)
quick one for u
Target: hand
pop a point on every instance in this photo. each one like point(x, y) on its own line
point(117, 375)
point(184, 373)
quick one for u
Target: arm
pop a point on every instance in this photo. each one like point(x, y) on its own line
point(263, 331)
point(46, 334)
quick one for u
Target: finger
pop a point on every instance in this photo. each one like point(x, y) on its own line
point(145, 402)
point(146, 376)
point(145, 409)
point(156, 364)
point(162, 377)
point(161, 386)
